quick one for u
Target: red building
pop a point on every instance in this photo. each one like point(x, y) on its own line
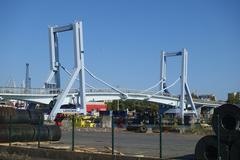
point(98, 106)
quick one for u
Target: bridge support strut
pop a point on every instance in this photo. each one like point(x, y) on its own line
point(78, 67)
point(184, 85)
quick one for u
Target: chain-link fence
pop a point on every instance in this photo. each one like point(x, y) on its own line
point(116, 138)
point(116, 134)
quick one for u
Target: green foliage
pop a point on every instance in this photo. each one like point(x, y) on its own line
point(194, 96)
point(212, 98)
point(132, 105)
point(234, 98)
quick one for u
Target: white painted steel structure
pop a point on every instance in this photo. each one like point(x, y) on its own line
point(67, 95)
point(78, 67)
point(44, 96)
point(185, 91)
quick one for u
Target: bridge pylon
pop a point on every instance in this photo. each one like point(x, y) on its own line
point(55, 66)
point(185, 95)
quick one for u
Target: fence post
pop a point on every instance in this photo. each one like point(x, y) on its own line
point(160, 136)
point(73, 128)
point(111, 114)
point(10, 132)
point(218, 137)
point(39, 123)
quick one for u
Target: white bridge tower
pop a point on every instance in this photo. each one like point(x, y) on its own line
point(184, 100)
point(55, 66)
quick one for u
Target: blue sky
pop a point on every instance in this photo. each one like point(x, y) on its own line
point(123, 40)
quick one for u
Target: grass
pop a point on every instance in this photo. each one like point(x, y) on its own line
point(199, 129)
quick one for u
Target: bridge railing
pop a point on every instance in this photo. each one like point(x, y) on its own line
point(54, 92)
point(18, 90)
point(124, 90)
point(37, 91)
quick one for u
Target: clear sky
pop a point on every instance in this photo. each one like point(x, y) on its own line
point(123, 40)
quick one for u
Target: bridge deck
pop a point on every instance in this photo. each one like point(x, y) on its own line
point(7, 92)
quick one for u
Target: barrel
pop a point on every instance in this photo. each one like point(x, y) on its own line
point(235, 151)
point(229, 117)
point(207, 149)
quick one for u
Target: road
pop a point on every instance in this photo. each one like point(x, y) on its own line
point(130, 143)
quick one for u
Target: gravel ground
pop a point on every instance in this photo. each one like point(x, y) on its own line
point(180, 146)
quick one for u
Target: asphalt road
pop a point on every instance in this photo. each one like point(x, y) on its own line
point(174, 144)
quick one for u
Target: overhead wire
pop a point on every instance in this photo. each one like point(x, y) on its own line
point(69, 73)
point(105, 83)
point(154, 86)
point(166, 87)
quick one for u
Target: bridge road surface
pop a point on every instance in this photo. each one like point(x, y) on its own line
point(175, 145)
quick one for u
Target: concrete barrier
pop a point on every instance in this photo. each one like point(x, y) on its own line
point(63, 155)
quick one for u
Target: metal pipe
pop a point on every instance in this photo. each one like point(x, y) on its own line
point(229, 118)
point(73, 128)
point(207, 148)
point(19, 116)
point(39, 133)
point(160, 136)
point(25, 132)
point(218, 138)
point(112, 132)
point(10, 131)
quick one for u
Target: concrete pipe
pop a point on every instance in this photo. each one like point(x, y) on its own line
point(42, 132)
point(19, 116)
point(36, 117)
point(29, 133)
point(47, 133)
point(207, 149)
point(235, 151)
point(229, 116)
point(19, 132)
point(54, 133)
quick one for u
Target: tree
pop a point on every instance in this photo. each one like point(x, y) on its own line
point(137, 105)
point(234, 98)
